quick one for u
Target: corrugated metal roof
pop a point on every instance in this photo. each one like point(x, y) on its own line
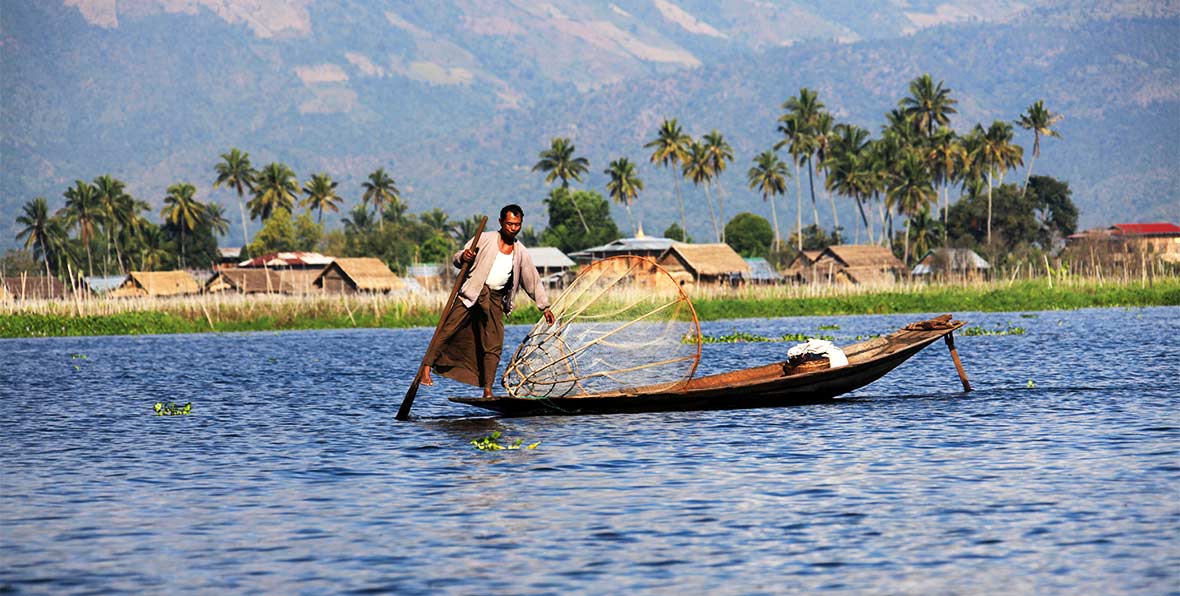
point(959, 259)
point(288, 259)
point(760, 270)
point(625, 245)
point(549, 257)
point(1143, 229)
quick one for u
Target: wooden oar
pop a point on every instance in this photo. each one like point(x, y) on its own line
point(404, 412)
point(950, 343)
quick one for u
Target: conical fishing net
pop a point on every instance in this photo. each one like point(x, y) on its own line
point(623, 325)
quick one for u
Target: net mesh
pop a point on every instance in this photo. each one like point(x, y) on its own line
point(623, 325)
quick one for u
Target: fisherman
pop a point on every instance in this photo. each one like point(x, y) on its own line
point(472, 337)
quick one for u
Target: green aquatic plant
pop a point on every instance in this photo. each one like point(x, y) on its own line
point(1029, 315)
point(491, 443)
point(1031, 384)
point(979, 330)
point(78, 357)
point(832, 327)
point(171, 409)
point(741, 337)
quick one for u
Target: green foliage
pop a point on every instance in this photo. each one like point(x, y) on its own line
point(750, 235)
point(739, 337)
point(674, 232)
point(276, 235)
point(437, 249)
point(171, 409)
point(565, 229)
point(814, 238)
point(308, 232)
point(999, 330)
point(491, 443)
point(16, 262)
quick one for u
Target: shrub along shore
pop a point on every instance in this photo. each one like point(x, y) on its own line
point(218, 313)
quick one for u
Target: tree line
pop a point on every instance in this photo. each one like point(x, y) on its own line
point(898, 175)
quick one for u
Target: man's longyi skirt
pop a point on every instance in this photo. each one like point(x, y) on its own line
point(472, 340)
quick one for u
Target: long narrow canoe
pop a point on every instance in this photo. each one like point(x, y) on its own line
point(772, 385)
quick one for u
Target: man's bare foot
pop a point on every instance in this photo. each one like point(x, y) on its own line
point(487, 391)
point(426, 380)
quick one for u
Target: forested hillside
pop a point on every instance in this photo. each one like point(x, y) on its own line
point(456, 99)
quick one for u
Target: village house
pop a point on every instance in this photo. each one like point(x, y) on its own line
point(959, 263)
point(351, 276)
point(762, 272)
point(857, 264)
point(263, 281)
point(643, 246)
point(32, 287)
point(1129, 242)
point(288, 260)
point(157, 284)
point(553, 265)
point(801, 269)
point(704, 264)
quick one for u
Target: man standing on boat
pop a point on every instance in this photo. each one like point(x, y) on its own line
point(472, 337)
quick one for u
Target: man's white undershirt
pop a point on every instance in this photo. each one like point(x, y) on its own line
point(501, 271)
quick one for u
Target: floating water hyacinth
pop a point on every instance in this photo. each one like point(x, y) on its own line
point(490, 443)
point(171, 409)
point(1011, 330)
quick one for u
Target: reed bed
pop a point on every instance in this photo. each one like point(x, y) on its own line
point(256, 312)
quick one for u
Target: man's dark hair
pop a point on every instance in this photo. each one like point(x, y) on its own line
point(513, 209)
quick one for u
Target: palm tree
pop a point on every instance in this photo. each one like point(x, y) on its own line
point(698, 168)
point(130, 224)
point(37, 229)
point(558, 161)
point(437, 219)
point(83, 210)
point(911, 192)
point(824, 137)
point(110, 193)
point(624, 186)
point(670, 149)
point(214, 216)
point(769, 176)
point(790, 130)
point(928, 105)
point(359, 221)
point(321, 194)
point(182, 210)
point(154, 248)
point(923, 232)
point(235, 172)
point(720, 153)
point(463, 230)
point(844, 166)
point(996, 154)
point(380, 189)
point(1040, 121)
point(275, 187)
point(947, 159)
point(804, 110)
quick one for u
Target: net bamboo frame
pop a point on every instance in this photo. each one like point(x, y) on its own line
point(623, 325)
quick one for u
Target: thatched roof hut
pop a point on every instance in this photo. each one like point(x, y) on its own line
point(801, 269)
point(263, 281)
point(858, 264)
point(704, 263)
point(364, 274)
point(157, 283)
point(32, 287)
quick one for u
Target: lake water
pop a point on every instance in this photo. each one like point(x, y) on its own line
point(290, 474)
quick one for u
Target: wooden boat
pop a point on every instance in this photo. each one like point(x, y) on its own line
point(772, 385)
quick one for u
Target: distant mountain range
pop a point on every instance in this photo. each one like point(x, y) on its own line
point(456, 97)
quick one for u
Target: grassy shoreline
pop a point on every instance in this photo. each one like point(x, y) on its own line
point(259, 313)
